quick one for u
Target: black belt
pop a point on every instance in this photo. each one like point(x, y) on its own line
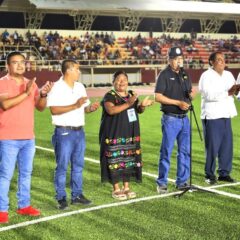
point(176, 115)
point(69, 127)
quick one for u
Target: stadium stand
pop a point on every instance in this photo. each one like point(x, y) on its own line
point(127, 48)
point(105, 49)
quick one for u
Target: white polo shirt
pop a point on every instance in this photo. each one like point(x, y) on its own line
point(63, 95)
point(214, 88)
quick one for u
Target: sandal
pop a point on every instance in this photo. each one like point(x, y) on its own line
point(119, 195)
point(129, 193)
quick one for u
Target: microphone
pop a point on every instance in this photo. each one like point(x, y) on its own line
point(184, 77)
point(182, 71)
point(180, 65)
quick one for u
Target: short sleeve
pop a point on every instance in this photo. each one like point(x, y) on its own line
point(52, 98)
point(109, 97)
point(161, 83)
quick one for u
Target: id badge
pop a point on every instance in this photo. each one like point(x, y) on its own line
point(131, 115)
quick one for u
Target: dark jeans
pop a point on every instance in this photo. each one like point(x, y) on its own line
point(218, 144)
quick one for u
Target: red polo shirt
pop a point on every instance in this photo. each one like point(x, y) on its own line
point(18, 121)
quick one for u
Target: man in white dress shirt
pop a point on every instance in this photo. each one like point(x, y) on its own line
point(216, 86)
point(68, 102)
point(238, 82)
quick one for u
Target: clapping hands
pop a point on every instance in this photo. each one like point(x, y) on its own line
point(46, 88)
point(132, 99)
point(146, 102)
point(234, 90)
point(94, 106)
point(29, 86)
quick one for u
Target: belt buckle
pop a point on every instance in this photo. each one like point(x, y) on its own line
point(70, 127)
point(176, 115)
point(180, 115)
point(75, 128)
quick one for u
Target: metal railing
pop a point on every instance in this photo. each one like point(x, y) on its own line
point(25, 49)
point(54, 65)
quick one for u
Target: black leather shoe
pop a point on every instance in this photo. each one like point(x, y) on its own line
point(210, 179)
point(81, 200)
point(226, 179)
point(62, 204)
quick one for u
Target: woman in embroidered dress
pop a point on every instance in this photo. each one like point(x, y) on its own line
point(120, 152)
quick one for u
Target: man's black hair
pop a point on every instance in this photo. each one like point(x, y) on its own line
point(212, 57)
point(66, 64)
point(12, 54)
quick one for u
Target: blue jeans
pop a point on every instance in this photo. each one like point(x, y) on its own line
point(174, 129)
point(22, 152)
point(69, 145)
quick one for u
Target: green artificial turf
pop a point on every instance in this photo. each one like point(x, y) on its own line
point(196, 215)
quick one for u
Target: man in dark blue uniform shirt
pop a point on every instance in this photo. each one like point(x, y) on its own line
point(173, 90)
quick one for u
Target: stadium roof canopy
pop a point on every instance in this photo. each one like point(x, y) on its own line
point(130, 12)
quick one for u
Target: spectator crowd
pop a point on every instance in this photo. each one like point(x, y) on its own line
point(103, 48)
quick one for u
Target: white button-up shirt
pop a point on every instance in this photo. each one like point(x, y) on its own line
point(63, 95)
point(238, 82)
point(214, 90)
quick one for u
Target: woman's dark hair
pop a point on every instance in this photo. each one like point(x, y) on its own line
point(212, 57)
point(117, 73)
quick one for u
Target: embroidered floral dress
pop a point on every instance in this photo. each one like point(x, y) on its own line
point(120, 152)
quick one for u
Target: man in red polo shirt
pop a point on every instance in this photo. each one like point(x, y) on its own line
point(18, 98)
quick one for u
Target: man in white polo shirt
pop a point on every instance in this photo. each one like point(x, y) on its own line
point(68, 102)
point(217, 86)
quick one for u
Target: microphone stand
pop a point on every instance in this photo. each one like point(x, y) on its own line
point(185, 89)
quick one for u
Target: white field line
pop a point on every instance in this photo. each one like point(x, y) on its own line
point(97, 162)
point(153, 175)
point(212, 190)
point(49, 218)
point(90, 209)
point(208, 189)
point(225, 185)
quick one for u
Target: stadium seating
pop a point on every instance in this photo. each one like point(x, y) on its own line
point(94, 48)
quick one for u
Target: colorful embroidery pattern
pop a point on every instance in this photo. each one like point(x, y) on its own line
point(120, 143)
point(123, 165)
point(121, 151)
point(122, 140)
